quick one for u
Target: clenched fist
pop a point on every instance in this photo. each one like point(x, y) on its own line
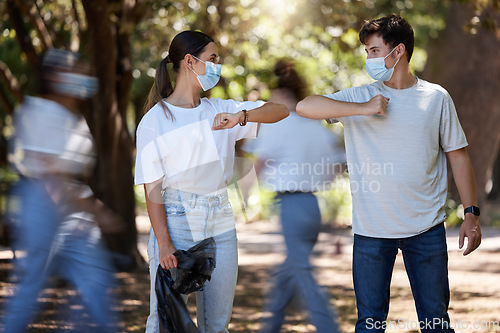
point(377, 105)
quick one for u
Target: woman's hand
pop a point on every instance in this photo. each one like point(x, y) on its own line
point(226, 120)
point(167, 258)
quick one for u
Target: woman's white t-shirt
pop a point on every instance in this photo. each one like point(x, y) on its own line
point(185, 150)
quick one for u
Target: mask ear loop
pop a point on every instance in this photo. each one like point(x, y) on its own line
point(191, 66)
point(390, 54)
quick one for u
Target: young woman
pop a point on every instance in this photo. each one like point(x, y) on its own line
point(185, 155)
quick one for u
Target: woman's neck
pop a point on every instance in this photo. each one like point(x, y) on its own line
point(184, 95)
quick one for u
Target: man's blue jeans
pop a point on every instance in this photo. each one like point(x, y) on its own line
point(426, 261)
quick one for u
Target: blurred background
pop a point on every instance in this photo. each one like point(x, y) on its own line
point(457, 43)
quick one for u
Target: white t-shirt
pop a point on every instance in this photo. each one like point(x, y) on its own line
point(186, 151)
point(50, 139)
point(397, 161)
point(300, 155)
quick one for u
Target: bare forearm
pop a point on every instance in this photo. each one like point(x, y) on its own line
point(267, 113)
point(466, 185)
point(157, 216)
point(321, 107)
point(463, 175)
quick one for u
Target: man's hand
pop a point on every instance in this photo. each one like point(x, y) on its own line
point(377, 105)
point(472, 230)
point(226, 120)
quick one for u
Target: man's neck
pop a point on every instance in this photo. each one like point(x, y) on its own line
point(402, 79)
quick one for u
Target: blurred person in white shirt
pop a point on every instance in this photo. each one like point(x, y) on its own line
point(295, 158)
point(55, 226)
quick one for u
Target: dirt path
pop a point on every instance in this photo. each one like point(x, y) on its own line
point(474, 281)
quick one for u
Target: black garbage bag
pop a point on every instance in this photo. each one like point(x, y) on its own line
point(173, 316)
point(194, 268)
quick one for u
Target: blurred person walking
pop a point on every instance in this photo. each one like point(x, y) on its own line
point(55, 230)
point(185, 157)
point(296, 157)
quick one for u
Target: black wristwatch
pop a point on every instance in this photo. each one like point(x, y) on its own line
point(472, 209)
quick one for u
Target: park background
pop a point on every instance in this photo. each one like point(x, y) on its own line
point(457, 43)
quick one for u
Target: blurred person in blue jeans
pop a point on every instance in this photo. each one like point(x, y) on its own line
point(55, 229)
point(296, 157)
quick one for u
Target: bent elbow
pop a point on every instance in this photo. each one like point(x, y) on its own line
point(301, 108)
point(284, 111)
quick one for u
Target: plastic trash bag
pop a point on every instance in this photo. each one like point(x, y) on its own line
point(173, 316)
point(194, 268)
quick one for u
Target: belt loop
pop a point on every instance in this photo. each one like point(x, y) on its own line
point(192, 200)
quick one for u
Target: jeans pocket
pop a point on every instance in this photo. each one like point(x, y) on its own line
point(175, 210)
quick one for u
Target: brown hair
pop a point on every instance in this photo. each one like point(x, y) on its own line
point(186, 42)
point(290, 79)
point(393, 29)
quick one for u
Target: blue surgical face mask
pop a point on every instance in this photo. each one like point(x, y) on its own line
point(211, 76)
point(377, 70)
point(76, 85)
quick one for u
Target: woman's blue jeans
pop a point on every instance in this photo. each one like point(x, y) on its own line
point(426, 261)
point(301, 223)
point(192, 218)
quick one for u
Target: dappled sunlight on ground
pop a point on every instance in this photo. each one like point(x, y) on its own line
point(475, 290)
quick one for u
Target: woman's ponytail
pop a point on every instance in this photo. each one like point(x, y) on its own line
point(161, 88)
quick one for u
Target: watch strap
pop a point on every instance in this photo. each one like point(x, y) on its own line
point(472, 209)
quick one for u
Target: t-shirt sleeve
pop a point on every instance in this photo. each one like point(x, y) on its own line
point(451, 134)
point(149, 158)
point(251, 129)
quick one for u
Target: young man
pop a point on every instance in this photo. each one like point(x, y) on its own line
point(399, 132)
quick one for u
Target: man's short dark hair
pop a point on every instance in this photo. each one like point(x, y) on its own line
point(393, 29)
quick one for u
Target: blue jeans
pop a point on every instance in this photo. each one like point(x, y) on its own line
point(69, 246)
point(301, 222)
point(426, 261)
point(192, 218)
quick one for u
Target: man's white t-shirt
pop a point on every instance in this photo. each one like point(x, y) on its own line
point(396, 161)
point(185, 150)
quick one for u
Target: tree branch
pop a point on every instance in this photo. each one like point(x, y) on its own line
point(22, 35)
point(10, 82)
point(37, 22)
point(77, 28)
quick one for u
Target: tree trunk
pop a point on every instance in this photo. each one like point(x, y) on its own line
point(113, 182)
point(468, 67)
